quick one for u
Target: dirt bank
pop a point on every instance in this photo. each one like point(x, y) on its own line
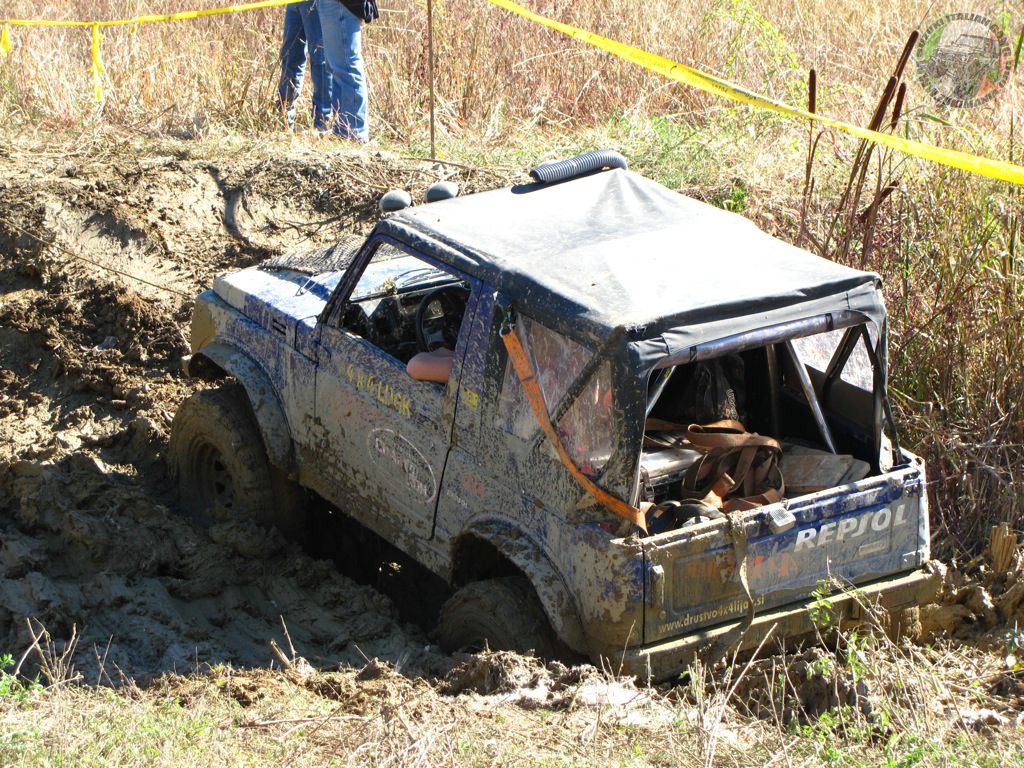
point(100, 254)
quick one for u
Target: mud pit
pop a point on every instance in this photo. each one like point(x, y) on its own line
point(90, 375)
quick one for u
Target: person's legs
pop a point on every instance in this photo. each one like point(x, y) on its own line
point(319, 73)
point(343, 46)
point(293, 62)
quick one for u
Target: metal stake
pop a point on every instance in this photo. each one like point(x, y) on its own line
point(430, 73)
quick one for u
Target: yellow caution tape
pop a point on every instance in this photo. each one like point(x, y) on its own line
point(983, 166)
point(97, 64)
point(97, 38)
point(179, 16)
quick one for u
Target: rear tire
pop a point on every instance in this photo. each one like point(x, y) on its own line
point(216, 453)
point(502, 614)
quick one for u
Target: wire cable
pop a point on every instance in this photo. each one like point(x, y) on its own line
point(87, 260)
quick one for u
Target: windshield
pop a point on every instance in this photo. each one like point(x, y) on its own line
point(394, 271)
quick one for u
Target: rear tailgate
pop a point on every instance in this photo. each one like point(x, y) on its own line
point(855, 533)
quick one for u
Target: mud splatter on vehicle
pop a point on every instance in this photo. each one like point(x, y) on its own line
point(100, 254)
point(609, 369)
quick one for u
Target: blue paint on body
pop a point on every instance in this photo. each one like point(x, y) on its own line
point(442, 464)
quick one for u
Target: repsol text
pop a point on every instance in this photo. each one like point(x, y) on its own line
point(849, 528)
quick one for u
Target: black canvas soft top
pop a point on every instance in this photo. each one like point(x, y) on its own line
point(614, 251)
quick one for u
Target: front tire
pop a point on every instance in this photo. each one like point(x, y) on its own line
point(502, 614)
point(216, 452)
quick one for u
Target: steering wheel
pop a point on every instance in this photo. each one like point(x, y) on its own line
point(439, 316)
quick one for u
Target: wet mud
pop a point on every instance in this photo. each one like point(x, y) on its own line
point(100, 255)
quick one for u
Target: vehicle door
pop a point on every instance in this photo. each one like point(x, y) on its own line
point(384, 437)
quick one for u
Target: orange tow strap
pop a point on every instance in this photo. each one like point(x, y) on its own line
point(524, 370)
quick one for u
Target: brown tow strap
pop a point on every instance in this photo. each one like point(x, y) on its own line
point(717, 649)
point(737, 471)
point(524, 370)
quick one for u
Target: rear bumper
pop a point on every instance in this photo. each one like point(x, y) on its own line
point(666, 659)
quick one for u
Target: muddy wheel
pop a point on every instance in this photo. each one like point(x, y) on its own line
point(216, 452)
point(501, 614)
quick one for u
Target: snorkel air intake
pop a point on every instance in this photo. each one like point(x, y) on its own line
point(588, 162)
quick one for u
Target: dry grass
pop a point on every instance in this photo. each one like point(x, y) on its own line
point(865, 703)
point(496, 74)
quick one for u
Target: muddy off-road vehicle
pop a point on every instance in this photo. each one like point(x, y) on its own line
point(658, 430)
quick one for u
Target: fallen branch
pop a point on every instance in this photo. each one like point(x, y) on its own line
point(300, 721)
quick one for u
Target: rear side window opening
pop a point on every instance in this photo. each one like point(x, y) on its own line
point(815, 394)
point(763, 390)
point(585, 426)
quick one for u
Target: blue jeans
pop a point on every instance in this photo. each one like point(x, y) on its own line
point(301, 33)
point(342, 43)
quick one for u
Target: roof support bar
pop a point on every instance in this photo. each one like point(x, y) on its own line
point(774, 387)
point(772, 334)
point(880, 390)
point(663, 376)
point(812, 399)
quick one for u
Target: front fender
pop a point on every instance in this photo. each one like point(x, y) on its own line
point(527, 556)
point(266, 405)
